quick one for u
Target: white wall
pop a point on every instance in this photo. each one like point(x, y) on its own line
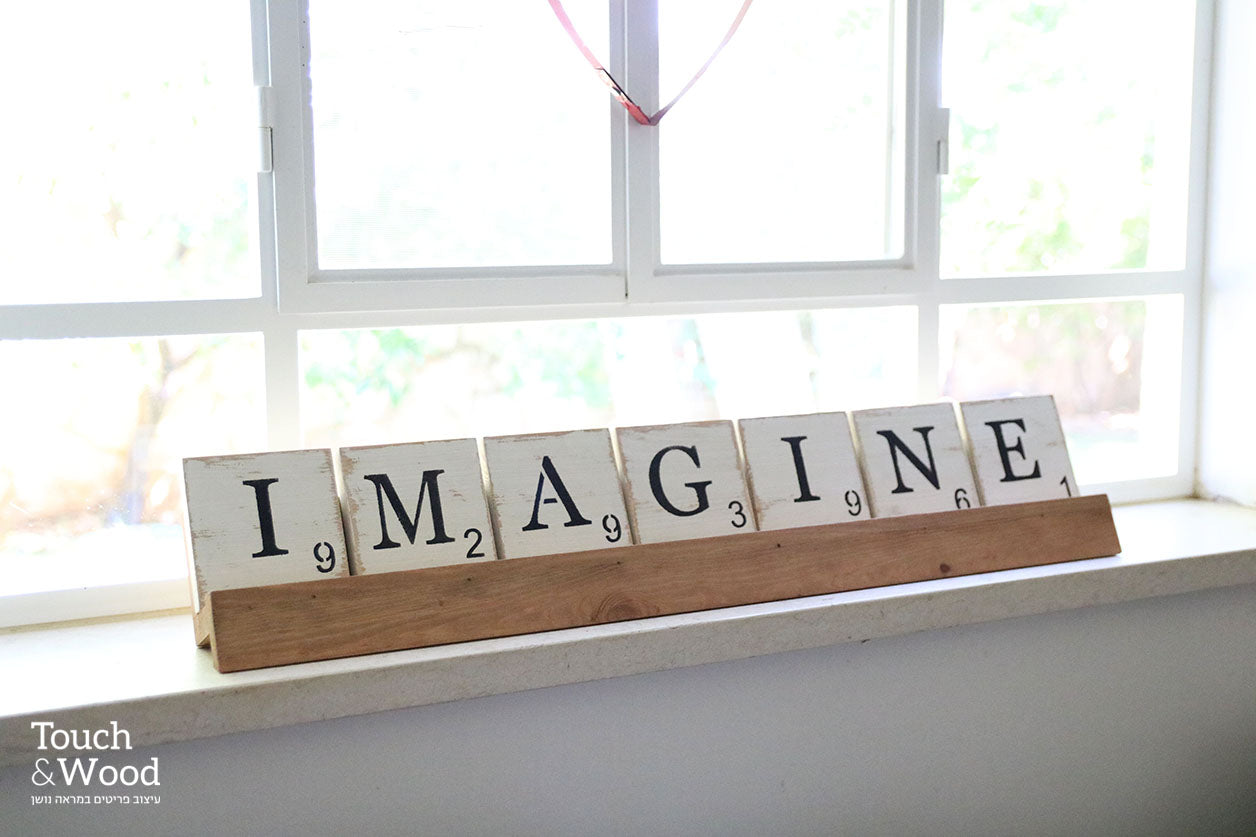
point(1137, 718)
point(1227, 450)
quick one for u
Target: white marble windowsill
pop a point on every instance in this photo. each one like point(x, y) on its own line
point(145, 672)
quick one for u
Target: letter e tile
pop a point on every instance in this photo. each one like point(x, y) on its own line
point(1018, 450)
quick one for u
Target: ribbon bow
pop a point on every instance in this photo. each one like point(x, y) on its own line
point(616, 90)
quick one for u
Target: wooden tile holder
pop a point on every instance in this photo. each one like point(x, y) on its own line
point(279, 624)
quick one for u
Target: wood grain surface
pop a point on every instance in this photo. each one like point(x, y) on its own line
point(291, 623)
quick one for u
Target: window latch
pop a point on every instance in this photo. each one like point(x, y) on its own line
point(944, 141)
point(265, 128)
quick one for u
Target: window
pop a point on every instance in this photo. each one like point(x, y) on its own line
point(368, 386)
point(467, 167)
point(772, 158)
point(130, 179)
point(1069, 146)
point(452, 229)
point(428, 178)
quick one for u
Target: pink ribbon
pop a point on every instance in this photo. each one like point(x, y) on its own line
point(619, 92)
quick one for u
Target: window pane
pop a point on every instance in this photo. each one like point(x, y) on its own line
point(89, 483)
point(790, 147)
point(129, 151)
point(1113, 367)
point(458, 134)
point(1070, 134)
point(394, 385)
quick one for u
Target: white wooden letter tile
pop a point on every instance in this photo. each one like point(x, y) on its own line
point(1018, 450)
point(415, 505)
point(914, 460)
point(555, 492)
point(802, 470)
point(684, 481)
point(263, 518)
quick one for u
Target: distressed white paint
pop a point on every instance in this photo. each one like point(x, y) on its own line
point(530, 514)
point(377, 536)
point(225, 530)
point(931, 434)
point(823, 485)
point(699, 476)
point(1018, 450)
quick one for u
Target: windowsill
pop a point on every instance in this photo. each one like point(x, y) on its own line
point(146, 673)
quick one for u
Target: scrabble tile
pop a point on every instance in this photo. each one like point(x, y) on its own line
point(262, 518)
point(684, 481)
point(802, 470)
point(1018, 450)
point(914, 460)
point(413, 505)
point(555, 492)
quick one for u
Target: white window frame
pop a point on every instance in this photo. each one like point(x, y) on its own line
point(306, 288)
point(635, 276)
point(293, 298)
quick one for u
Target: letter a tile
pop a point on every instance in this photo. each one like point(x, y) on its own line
point(413, 505)
point(684, 481)
point(262, 518)
point(1018, 450)
point(803, 471)
point(555, 492)
point(914, 460)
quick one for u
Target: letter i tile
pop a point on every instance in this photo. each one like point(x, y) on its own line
point(803, 471)
point(262, 518)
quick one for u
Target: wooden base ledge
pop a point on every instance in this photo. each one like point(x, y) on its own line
point(280, 624)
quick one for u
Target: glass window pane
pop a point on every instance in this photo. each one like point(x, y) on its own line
point(458, 134)
point(129, 152)
point(393, 385)
point(790, 147)
point(89, 482)
point(1070, 132)
point(1113, 366)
